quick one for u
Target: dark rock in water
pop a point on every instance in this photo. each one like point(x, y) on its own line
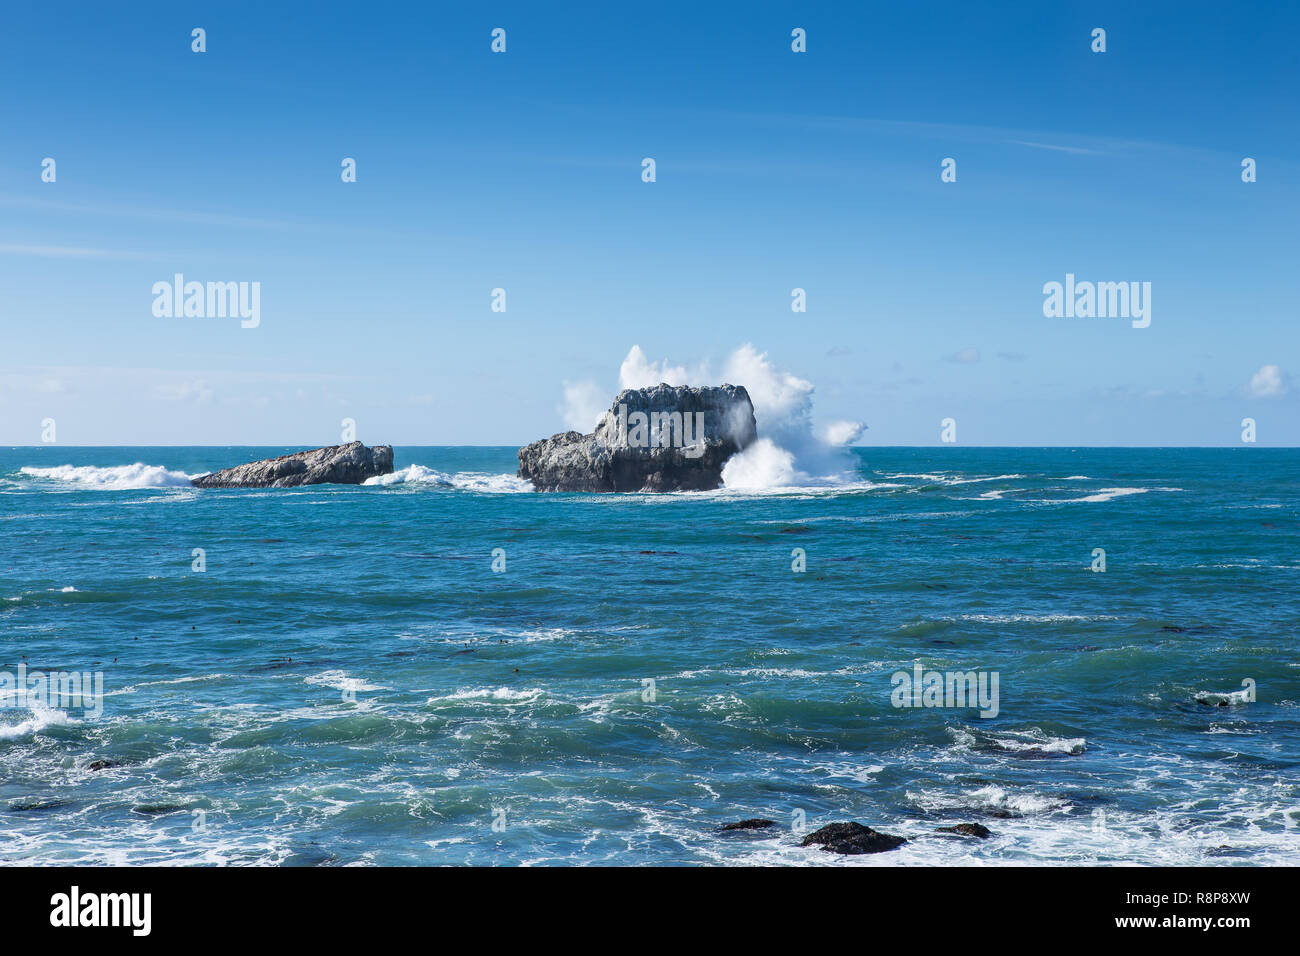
point(754, 824)
point(852, 838)
point(313, 854)
point(103, 764)
point(36, 805)
point(1224, 850)
point(968, 829)
point(349, 464)
point(159, 809)
point(662, 438)
point(1209, 698)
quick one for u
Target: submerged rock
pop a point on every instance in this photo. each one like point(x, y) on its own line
point(968, 829)
point(349, 464)
point(662, 438)
point(35, 804)
point(852, 838)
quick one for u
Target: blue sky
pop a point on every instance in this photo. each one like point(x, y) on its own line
point(522, 170)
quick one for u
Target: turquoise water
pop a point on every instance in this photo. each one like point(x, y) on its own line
point(349, 681)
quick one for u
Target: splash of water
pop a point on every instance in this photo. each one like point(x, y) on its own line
point(790, 451)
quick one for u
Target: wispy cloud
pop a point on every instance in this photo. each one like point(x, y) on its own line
point(1058, 148)
point(152, 212)
point(71, 252)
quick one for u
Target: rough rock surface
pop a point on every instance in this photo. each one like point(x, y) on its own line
point(752, 824)
point(348, 464)
point(968, 829)
point(687, 436)
point(852, 838)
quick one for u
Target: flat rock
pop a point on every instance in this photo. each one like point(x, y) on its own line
point(349, 464)
point(662, 438)
point(852, 838)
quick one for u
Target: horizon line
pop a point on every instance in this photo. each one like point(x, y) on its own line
point(15, 447)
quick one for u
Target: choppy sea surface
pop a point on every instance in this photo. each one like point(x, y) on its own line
point(347, 679)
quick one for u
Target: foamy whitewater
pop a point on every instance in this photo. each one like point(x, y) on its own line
point(354, 675)
point(419, 475)
point(116, 477)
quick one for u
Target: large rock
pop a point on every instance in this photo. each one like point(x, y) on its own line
point(349, 464)
point(662, 438)
point(852, 838)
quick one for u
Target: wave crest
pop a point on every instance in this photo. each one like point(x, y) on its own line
point(461, 480)
point(113, 477)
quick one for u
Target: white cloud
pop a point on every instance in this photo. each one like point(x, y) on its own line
point(1269, 382)
point(195, 390)
point(965, 356)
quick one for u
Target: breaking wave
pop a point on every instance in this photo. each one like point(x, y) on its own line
point(461, 480)
point(113, 478)
point(39, 717)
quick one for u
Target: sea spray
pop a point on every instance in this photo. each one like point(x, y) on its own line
point(790, 451)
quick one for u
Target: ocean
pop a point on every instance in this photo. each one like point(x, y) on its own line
point(447, 668)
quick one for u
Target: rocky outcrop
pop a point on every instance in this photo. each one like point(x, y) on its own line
point(852, 838)
point(349, 464)
point(662, 438)
point(755, 823)
point(968, 829)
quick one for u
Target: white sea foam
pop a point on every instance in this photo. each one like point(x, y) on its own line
point(987, 798)
point(114, 477)
point(461, 480)
point(802, 486)
point(40, 718)
point(951, 478)
point(1224, 697)
point(1036, 741)
point(496, 695)
point(341, 681)
point(1029, 618)
point(1103, 494)
point(1033, 740)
